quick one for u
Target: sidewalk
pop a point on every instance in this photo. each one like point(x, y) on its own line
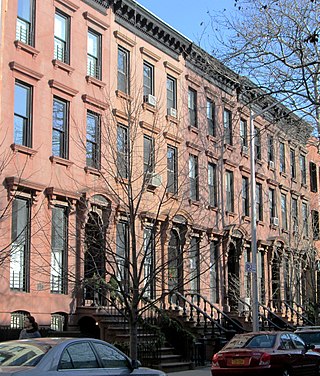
point(201, 371)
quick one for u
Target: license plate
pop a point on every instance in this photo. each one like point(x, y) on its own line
point(237, 362)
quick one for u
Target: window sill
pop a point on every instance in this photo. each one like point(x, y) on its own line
point(284, 231)
point(172, 119)
point(283, 174)
point(149, 107)
point(212, 208)
point(95, 81)
point(123, 95)
point(173, 196)
point(212, 138)
point(60, 161)
point(260, 223)
point(23, 149)
point(259, 162)
point(246, 219)
point(193, 129)
point(230, 214)
point(25, 47)
point(228, 147)
point(294, 180)
point(245, 154)
point(63, 66)
point(120, 180)
point(303, 185)
point(194, 202)
point(92, 171)
point(274, 227)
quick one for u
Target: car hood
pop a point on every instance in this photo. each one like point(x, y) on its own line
point(146, 372)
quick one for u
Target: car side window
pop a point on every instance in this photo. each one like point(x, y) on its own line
point(286, 342)
point(298, 342)
point(78, 355)
point(111, 358)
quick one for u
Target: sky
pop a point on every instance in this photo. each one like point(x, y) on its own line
point(189, 17)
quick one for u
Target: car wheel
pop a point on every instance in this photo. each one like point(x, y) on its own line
point(286, 372)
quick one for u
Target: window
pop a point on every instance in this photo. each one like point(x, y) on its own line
point(25, 22)
point(282, 157)
point(272, 203)
point(93, 140)
point(94, 55)
point(22, 114)
point(61, 37)
point(313, 177)
point(227, 124)
point(148, 79)
point(58, 322)
point(60, 128)
point(172, 169)
point(315, 224)
point(192, 106)
point(243, 133)
point(59, 249)
point(194, 177)
point(123, 70)
point(122, 149)
point(194, 265)
point(148, 154)
point(259, 202)
point(214, 272)
point(171, 93)
point(305, 219)
point(110, 357)
point(257, 143)
point(293, 164)
point(211, 118)
point(149, 255)
point(270, 148)
point(122, 252)
point(229, 192)
point(302, 162)
point(284, 213)
point(294, 213)
point(17, 319)
point(212, 184)
point(245, 196)
point(20, 237)
point(78, 356)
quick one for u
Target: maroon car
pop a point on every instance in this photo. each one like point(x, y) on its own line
point(266, 353)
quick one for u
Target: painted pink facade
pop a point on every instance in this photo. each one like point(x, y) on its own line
point(78, 70)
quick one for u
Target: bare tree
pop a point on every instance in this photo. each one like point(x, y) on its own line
point(275, 43)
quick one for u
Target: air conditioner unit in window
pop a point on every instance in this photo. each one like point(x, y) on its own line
point(172, 112)
point(150, 99)
point(275, 221)
point(244, 149)
point(271, 164)
point(154, 180)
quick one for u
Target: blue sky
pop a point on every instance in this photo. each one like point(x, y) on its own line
point(187, 16)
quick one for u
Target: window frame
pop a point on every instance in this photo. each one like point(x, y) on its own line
point(270, 148)
point(124, 86)
point(282, 157)
point(194, 177)
point(243, 132)
point(172, 103)
point(315, 224)
point(64, 131)
point(172, 172)
point(27, 120)
point(313, 177)
point(192, 107)
point(148, 154)
point(211, 117)
point(294, 213)
point(284, 211)
point(303, 167)
point(257, 143)
point(245, 196)
point(96, 71)
point(123, 152)
point(293, 168)
point(95, 141)
point(229, 189)
point(66, 43)
point(272, 203)
point(61, 274)
point(227, 127)
point(23, 245)
point(212, 184)
point(259, 202)
point(148, 89)
point(28, 23)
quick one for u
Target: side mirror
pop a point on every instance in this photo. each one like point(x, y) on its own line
point(135, 364)
point(310, 346)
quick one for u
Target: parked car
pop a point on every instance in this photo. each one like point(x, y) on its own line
point(310, 334)
point(66, 356)
point(266, 353)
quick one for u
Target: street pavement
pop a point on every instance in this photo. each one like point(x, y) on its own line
point(201, 371)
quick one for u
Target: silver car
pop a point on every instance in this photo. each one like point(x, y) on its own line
point(66, 356)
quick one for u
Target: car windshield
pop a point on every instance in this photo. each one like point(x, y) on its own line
point(21, 354)
point(250, 341)
point(312, 338)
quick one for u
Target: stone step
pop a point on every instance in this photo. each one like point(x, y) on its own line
point(174, 366)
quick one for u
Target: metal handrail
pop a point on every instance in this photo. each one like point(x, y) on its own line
point(236, 325)
point(304, 318)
